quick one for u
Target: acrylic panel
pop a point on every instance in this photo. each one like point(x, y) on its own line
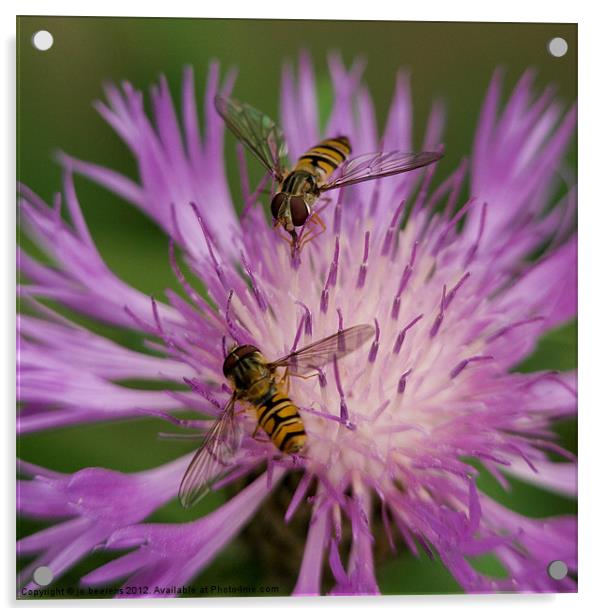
point(297, 308)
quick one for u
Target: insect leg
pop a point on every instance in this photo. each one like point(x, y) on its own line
point(288, 240)
point(310, 238)
point(304, 376)
point(327, 201)
point(317, 220)
point(349, 425)
point(259, 439)
point(285, 380)
point(305, 238)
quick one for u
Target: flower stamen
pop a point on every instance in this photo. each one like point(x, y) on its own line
point(361, 276)
point(401, 386)
point(402, 334)
point(405, 277)
point(392, 230)
point(459, 367)
point(344, 411)
point(473, 249)
point(375, 343)
point(259, 296)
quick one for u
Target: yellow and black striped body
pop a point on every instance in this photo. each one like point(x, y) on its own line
point(323, 159)
point(248, 371)
point(280, 420)
point(292, 204)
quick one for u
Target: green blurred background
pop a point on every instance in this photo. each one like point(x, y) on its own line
point(452, 62)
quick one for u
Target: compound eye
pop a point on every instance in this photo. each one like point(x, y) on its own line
point(235, 355)
point(299, 211)
point(277, 202)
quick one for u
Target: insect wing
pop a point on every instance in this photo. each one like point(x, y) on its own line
point(326, 350)
point(257, 131)
point(212, 459)
point(379, 165)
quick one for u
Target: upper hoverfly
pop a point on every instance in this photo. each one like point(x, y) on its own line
point(254, 380)
point(299, 189)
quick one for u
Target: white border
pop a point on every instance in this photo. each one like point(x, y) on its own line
point(590, 260)
point(433, 10)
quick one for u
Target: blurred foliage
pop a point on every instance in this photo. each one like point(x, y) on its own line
point(451, 62)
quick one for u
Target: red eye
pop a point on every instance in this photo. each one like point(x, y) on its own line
point(299, 211)
point(277, 202)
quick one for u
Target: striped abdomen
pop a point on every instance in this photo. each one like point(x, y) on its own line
point(281, 421)
point(325, 157)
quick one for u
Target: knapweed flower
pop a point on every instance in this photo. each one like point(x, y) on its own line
point(458, 294)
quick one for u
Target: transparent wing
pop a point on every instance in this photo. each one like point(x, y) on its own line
point(379, 165)
point(326, 350)
point(257, 131)
point(213, 457)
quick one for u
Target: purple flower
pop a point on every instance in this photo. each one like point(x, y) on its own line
point(195, 543)
point(394, 429)
point(97, 503)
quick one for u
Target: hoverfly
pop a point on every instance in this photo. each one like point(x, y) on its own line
point(254, 380)
point(299, 189)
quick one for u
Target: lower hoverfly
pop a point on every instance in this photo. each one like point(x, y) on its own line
point(299, 189)
point(254, 380)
